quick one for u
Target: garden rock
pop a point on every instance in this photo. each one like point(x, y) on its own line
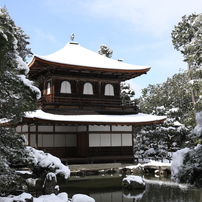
point(133, 182)
point(50, 184)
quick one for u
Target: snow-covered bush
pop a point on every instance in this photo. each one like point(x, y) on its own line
point(187, 166)
point(44, 162)
point(187, 163)
point(172, 100)
point(158, 142)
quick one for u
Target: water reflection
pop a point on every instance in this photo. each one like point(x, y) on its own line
point(107, 188)
point(170, 192)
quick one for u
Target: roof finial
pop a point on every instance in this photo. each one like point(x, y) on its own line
point(72, 37)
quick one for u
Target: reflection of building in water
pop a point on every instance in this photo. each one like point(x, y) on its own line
point(118, 196)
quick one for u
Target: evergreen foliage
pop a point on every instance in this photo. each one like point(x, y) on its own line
point(126, 93)
point(17, 95)
point(169, 99)
point(187, 38)
point(105, 50)
point(172, 94)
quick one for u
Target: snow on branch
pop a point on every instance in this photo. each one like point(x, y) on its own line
point(46, 160)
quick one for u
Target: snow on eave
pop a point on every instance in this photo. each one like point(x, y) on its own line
point(5, 122)
point(135, 119)
point(74, 54)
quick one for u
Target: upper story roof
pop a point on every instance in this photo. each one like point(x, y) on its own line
point(75, 56)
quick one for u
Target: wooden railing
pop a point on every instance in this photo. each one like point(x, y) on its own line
point(85, 102)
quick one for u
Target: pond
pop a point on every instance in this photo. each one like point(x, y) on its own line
point(107, 188)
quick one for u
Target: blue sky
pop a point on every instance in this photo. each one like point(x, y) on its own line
point(138, 31)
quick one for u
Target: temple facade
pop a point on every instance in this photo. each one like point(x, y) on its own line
point(81, 117)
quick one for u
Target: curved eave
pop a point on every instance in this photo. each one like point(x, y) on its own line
point(135, 119)
point(144, 123)
point(32, 65)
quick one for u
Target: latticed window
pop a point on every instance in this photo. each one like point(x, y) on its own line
point(65, 87)
point(88, 89)
point(109, 90)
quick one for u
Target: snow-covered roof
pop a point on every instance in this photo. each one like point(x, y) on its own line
point(75, 54)
point(135, 119)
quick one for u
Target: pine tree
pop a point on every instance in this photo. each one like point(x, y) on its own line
point(17, 95)
point(126, 93)
point(169, 99)
point(105, 50)
point(187, 38)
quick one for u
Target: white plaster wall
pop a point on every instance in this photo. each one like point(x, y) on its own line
point(48, 140)
point(127, 140)
point(105, 140)
point(82, 128)
point(24, 128)
point(94, 140)
point(45, 128)
point(65, 128)
point(18, 129)
point(121, 128)
point(40, 140)
point(99, 128)
point(32, 128)
point(32, 140)
point(116, 139)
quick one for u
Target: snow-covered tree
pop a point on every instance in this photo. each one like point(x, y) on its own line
point(187, 38)
point(170, 99)
point(172, 94)
point(160, 141)
point(17, 95)
point(105, 50)
point(187, 163)
point(126, 93)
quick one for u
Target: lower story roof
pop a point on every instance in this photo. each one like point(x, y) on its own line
point(134, 119)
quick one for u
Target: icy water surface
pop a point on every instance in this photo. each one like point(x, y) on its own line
point(107, 188)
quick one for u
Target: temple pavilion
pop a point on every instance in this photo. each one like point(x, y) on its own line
point(81, 117)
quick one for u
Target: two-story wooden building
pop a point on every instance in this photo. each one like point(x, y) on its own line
point(81, 117)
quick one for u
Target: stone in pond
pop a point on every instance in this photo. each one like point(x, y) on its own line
point(133, 182)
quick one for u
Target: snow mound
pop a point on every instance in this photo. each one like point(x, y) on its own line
point(62, 197)
point(177, 161)
point(82, 198)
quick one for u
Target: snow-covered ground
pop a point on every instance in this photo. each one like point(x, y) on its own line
point(150, 163)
